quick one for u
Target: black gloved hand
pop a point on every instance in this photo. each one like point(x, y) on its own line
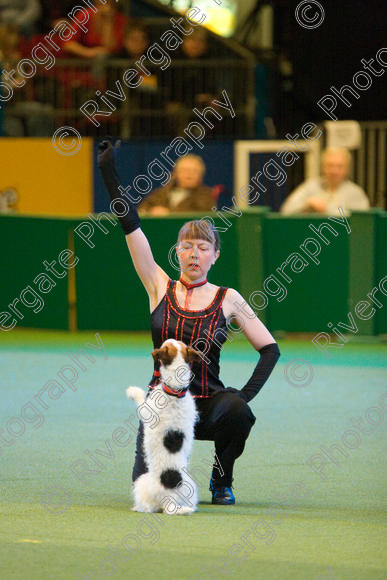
point(106, 152)
point(269, 355)
point(129, 220)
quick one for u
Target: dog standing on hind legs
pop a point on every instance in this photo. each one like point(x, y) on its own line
point(168, 444)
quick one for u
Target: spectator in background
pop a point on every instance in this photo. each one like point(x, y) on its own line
point(136, 40)
point(105, 35)
point(148, 94)
point(326, 193)
point(10, 54)
point(104, 38)
point(191, 85)
point(185, 191)
point(30, 113)
point(22, 14)
point(136, 43)
point(9, 45)
point(197, 81)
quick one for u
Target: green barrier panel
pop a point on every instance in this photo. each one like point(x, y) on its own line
point(26, 243)
point(381, 271)
point(368, 265)
point(250, 233)
point(363, 255)
point(104, 291)
point(109, 292)
point(317, 294)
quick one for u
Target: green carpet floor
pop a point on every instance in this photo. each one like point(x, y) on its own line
point(306, 527)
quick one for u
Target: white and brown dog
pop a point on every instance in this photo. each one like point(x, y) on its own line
point(168, 444)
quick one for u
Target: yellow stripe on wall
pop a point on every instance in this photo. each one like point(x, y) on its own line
point(46, 182)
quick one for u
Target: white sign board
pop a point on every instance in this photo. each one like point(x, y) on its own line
point(343, 134)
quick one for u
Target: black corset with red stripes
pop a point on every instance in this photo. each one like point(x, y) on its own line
point(204, 330)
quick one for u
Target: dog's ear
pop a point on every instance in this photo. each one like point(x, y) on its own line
point(156, 354)
point(166, 354)
point(192, 355)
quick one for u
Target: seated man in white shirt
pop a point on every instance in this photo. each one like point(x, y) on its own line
point(326, 193)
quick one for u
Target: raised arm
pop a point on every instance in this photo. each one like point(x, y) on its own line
point(151, 275)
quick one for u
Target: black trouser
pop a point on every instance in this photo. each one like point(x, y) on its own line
point(225, 419)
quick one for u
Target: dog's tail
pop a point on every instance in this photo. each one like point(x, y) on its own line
point(136, 394)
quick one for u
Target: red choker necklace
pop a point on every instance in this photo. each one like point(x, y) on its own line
point(189, 286)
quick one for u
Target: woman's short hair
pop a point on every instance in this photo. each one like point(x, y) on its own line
point(199, 230)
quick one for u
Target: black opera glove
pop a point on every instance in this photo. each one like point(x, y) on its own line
point(269, 356)
point(124, 209)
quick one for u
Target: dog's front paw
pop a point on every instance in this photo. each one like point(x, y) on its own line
point(136, 394)
point(131, 392)
point(184, 511)
point(142, 509)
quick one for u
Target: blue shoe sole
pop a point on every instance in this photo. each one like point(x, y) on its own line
point(219, 498)
point(223, 502)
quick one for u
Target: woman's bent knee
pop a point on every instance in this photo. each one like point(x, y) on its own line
point(240, 414)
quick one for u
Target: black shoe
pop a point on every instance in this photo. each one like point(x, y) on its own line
point(222, 495)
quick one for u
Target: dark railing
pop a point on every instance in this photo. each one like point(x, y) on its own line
point(160, 107)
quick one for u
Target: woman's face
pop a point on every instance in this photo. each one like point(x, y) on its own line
point(136, 42)
point(196, 257)
point(195, 46)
